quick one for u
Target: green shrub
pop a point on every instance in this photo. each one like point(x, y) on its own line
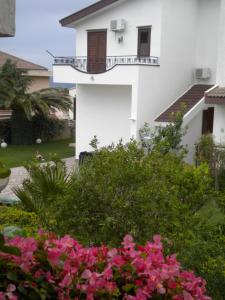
point(205, 148)
point(214, 155)
point(47, 183)
point(13, 216)
point(123, 190)
point(46, 128)
point(21, 128)
point(5, 131)
point(4, 171)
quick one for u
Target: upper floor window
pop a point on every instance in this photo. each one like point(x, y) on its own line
point(144, 41)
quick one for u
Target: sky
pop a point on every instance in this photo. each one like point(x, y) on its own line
point(38, 30)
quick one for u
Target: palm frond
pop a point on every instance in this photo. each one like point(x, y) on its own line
point(45, 185)
point(57, 98)
point(14, 94)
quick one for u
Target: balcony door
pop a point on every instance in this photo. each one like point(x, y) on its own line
point(144, 41)
point(207, 121)
point(96, 51)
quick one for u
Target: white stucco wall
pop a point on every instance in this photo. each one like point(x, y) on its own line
point(221, 47)
point(119, 75)
point(207, 37)
point(192, 136)
point(103, 112)
point(158, 88)
point(135, 13)
point(219, 124)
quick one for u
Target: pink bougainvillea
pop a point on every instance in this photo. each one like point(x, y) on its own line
point(64, 269)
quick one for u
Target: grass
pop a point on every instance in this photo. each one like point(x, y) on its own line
point(15, 156)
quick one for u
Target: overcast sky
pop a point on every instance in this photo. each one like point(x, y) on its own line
point(38, 29)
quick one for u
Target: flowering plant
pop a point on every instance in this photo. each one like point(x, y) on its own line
point(61, 268)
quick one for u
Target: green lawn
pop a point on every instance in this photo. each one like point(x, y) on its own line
point(14, 156)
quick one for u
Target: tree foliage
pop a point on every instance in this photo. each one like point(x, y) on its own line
point(14, 95)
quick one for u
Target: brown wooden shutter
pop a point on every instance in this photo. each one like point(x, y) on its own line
point(97, 51)
point(207, 121)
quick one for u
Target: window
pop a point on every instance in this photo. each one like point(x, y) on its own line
point(144, 41)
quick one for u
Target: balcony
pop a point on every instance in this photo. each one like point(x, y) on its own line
point(81, 63)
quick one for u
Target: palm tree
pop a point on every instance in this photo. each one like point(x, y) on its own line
point(14, 95)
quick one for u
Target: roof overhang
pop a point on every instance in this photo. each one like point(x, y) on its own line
point(192, 100)
point(215, 96)
point(199, 106)
point(38, 73)
point(20, 63)
point(87, 11)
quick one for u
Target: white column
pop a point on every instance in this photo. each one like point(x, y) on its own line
point(134, 112)
point(221, 48)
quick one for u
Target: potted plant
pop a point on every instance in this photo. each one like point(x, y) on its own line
point(4, 176)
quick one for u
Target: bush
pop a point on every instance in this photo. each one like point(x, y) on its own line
point(5, 131)
point(39, 193)
point(123, 190)
point(53, 268)
point(13, 216)
point(4, 171)
point(214, 155)
point(46, 128)
point(21, 128)
point(205, 148)
point(42, 127)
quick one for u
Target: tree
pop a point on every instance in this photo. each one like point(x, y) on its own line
point(14, 95)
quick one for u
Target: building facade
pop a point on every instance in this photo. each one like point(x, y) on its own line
point(139, 61)
point(7, 18)
point(39, 75)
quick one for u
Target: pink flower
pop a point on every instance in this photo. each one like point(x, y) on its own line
point(54, 256)
point(27, 247)
point(66, 282)
point(67, 266)
point(128, 242)
point(2, 296)
point(108, 274)
point(86, 274)
point(11, 288)
point(112, 253)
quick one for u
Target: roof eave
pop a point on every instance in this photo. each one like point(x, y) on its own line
point(214, 100)
point(86, 12)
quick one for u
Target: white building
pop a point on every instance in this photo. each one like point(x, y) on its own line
point(137, 61)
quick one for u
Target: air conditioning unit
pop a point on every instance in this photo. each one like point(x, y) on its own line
point(203, 73)
point(118, 25)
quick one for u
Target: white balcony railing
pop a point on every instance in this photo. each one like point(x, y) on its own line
point(81, 62)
